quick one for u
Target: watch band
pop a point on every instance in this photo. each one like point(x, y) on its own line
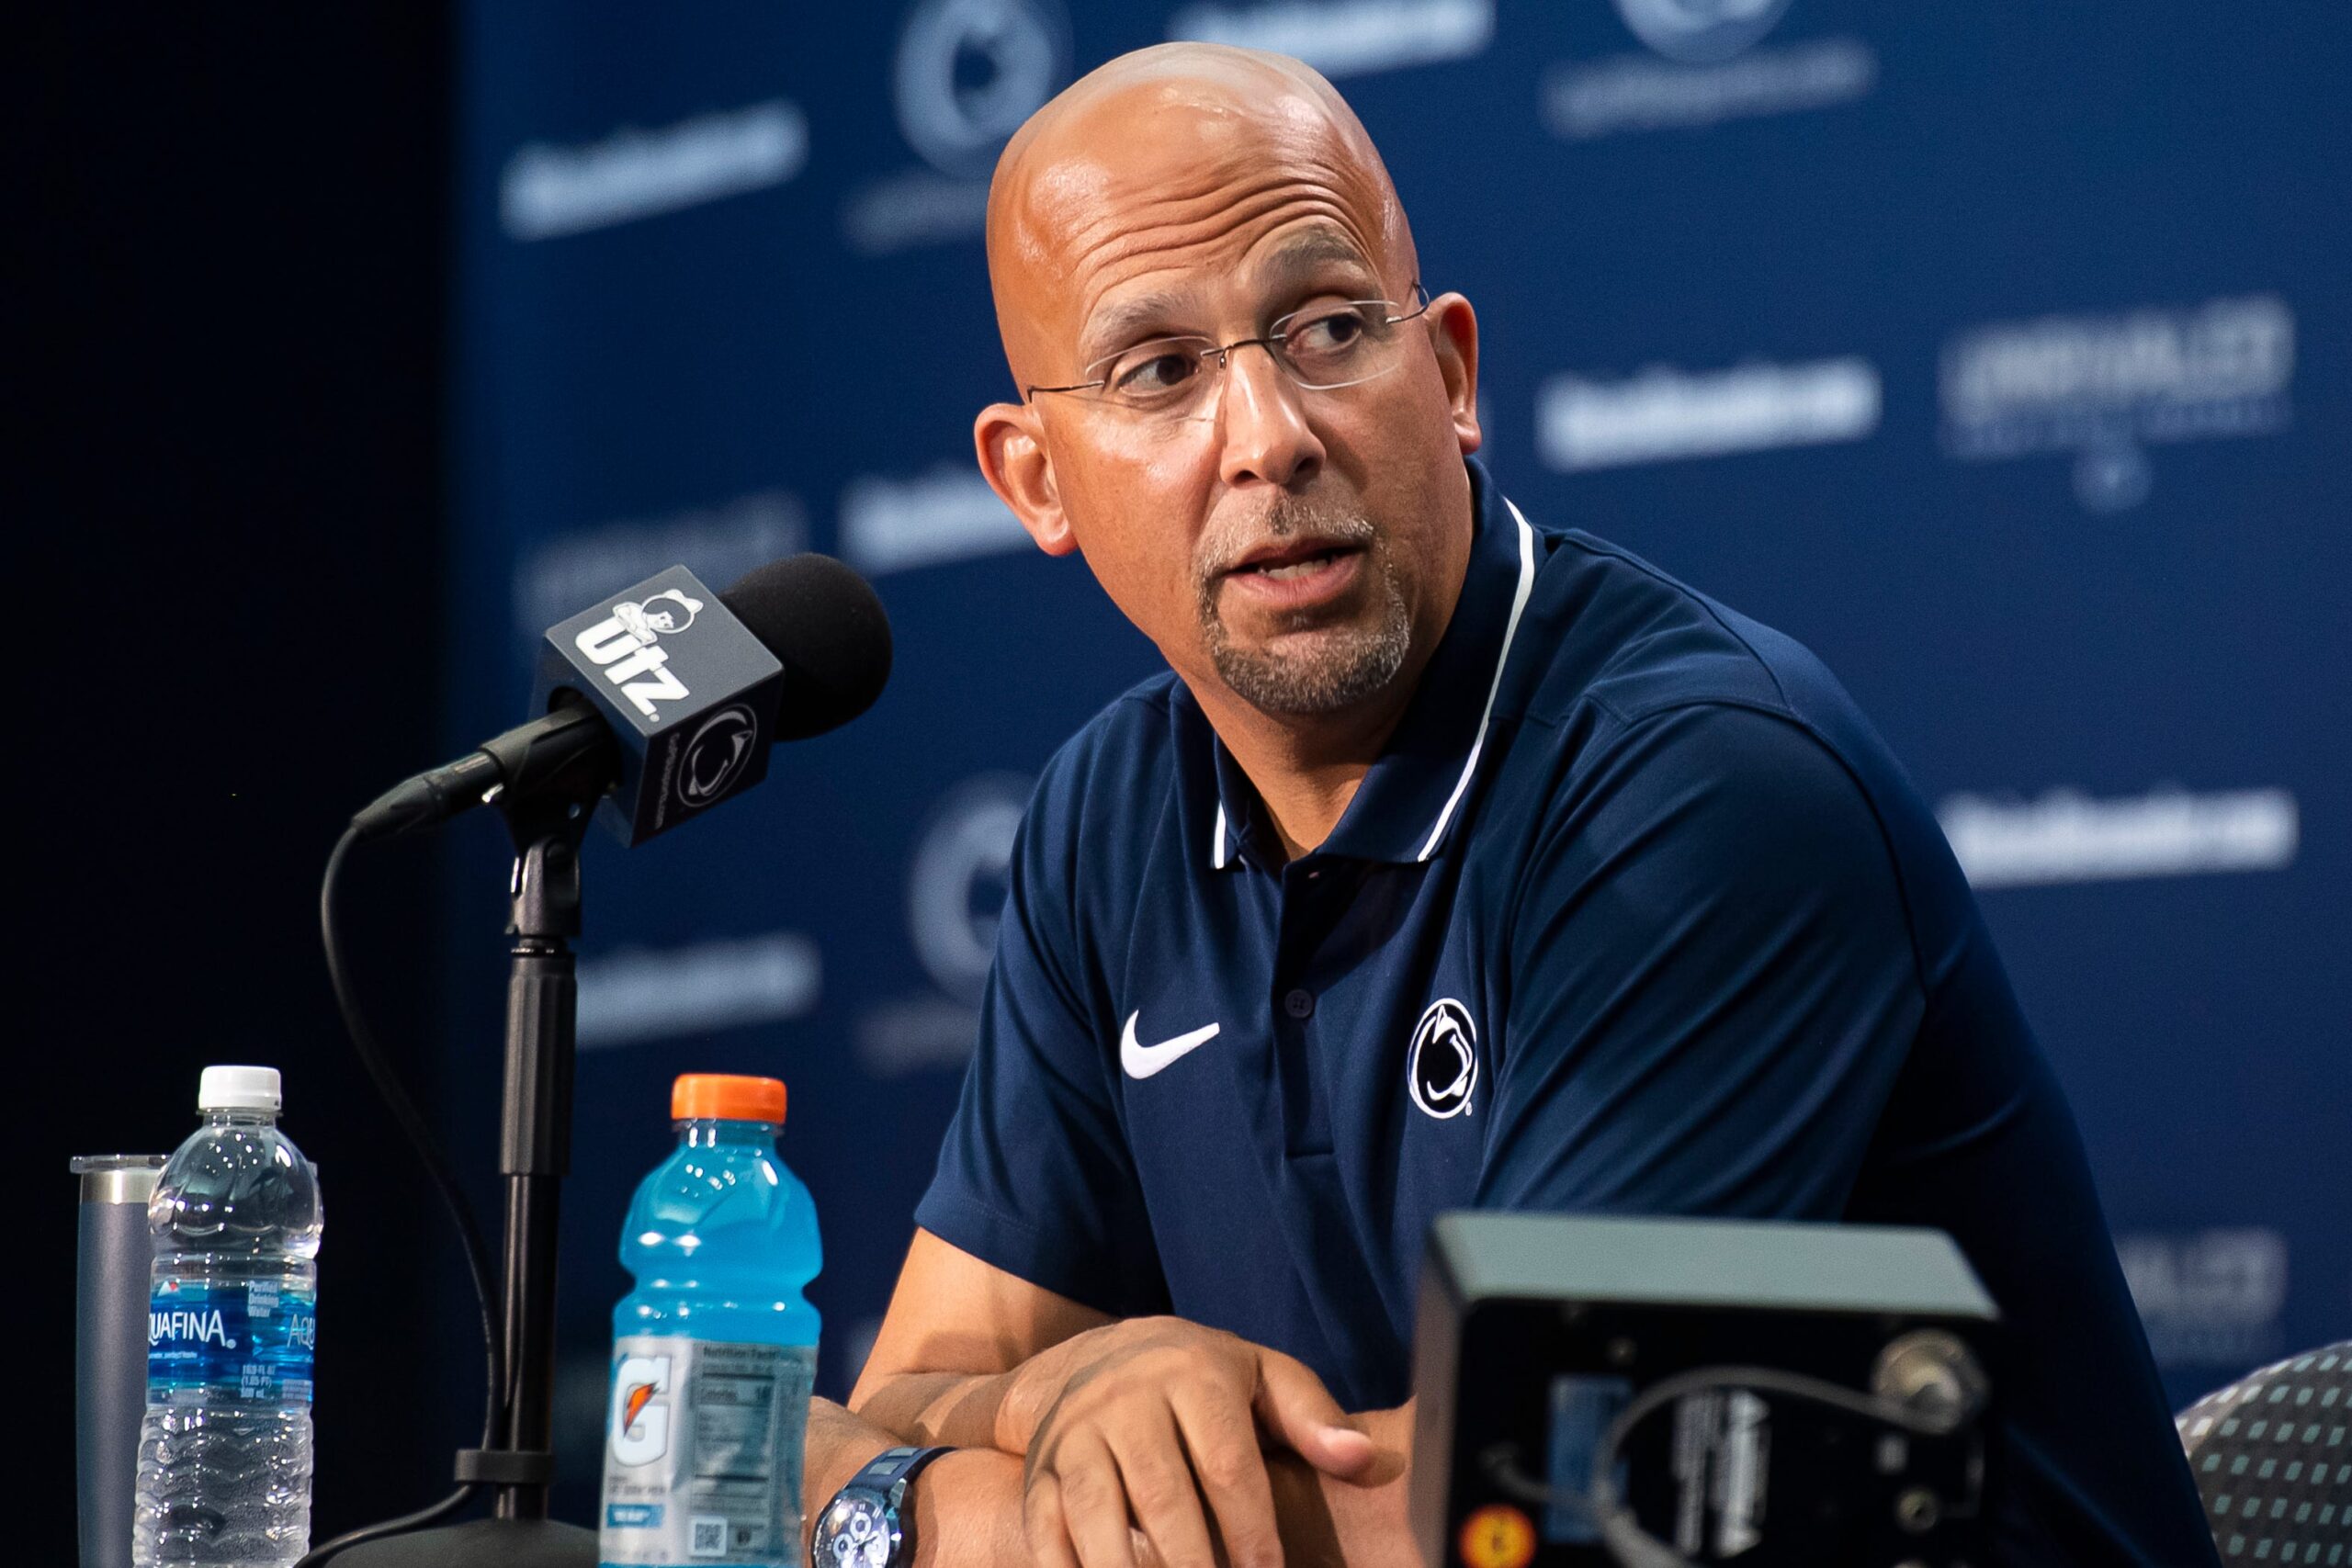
point(892, 1471)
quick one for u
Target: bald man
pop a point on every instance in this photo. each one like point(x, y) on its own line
point(1455, 862)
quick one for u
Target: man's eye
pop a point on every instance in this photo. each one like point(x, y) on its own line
point(1154, 371)
point(1331, 334)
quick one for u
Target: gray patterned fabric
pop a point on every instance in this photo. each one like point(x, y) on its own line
point(2273, 1458)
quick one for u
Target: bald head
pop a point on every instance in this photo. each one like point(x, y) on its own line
point(1164, 158)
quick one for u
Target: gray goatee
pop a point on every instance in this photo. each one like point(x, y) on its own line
point(1340, 664)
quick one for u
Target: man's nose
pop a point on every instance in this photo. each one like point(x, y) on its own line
point(1264, 423)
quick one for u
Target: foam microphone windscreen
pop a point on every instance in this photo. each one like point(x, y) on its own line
point(826, 624)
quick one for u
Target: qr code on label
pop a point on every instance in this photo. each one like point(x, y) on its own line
point(708, 1537)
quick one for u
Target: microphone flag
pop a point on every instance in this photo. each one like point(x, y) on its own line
point(688, 692)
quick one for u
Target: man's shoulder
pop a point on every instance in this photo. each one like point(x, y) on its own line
point(1615, 638)
point(1126, 746)
point(1644, 691)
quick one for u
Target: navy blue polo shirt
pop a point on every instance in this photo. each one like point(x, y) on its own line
point(1635, 914)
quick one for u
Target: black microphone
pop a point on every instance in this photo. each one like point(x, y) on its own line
point(662, 700)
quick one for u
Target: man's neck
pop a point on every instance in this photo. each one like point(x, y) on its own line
point(1306, 771)
point(1306, 768)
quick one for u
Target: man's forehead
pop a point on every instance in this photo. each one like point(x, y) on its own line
point(1170, 156)
point(1167, 163)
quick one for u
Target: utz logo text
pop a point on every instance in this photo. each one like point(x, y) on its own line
point(627, 646)
point(181, 1325)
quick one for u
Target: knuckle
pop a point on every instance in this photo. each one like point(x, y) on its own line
point(1227, 1469)
point(1153, 1489)
point(1248, 1545)
point(1218, 1398)
point(1085, 1491)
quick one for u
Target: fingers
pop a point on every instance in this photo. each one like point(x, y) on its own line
point(1075, 1509)
point(1160, 1492)
point(1299, 1412)
point(1223, 1444)
point(1040, 1522)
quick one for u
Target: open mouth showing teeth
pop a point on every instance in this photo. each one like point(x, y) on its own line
point(1283, 571)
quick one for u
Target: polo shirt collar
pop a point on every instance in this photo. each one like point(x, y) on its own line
point(1407, 806)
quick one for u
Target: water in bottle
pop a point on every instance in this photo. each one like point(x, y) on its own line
point(224, 1452)
point(714, 1351)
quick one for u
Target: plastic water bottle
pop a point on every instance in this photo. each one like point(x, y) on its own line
point(714, 1351)
point(224, 1452)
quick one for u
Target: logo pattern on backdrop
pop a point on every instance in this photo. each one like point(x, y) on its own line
point(1701, 32)
point(2103, 385)
point(970, 72)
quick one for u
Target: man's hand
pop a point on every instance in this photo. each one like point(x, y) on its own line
point(1164, 1419)
point(1362, 1522)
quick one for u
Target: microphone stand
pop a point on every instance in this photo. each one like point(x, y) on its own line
point(534, 1157)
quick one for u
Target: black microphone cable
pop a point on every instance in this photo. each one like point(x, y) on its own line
point(453, 1198)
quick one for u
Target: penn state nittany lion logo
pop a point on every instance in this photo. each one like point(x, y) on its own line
point(1442, 1065)
point(666, 613)
point(1701, 32)
point(716, 756)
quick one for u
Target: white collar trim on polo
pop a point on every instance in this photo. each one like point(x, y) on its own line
point(1221, 836)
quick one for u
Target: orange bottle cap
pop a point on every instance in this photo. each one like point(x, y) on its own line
point(726, 1097)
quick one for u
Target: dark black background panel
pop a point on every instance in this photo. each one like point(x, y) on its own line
point(228, 447)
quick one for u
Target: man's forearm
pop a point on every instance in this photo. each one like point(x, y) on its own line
point(967, 1505)
point(958, 1409)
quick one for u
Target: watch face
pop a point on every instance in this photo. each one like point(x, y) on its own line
point(854, 1531)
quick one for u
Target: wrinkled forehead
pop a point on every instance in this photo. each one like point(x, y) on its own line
point(1167, 188)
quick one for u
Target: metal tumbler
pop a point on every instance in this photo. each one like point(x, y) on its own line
point(110, 1348)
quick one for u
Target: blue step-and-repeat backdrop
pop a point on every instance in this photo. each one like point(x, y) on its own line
point(1999, 354)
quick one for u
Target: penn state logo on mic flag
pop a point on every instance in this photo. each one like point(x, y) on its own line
point(712, 759)
point(1441, 1065)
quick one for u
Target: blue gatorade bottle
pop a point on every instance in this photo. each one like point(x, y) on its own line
point(714, 1351)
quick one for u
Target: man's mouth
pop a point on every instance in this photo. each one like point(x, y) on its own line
point(1291, 577)
point(1289, 561)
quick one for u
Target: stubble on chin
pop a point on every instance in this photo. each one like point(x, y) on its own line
point(1321, 662)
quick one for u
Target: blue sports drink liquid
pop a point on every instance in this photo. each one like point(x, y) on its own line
point(713, 1353)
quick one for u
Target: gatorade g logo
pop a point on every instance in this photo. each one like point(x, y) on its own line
point(640, 1428)
point(626, 643)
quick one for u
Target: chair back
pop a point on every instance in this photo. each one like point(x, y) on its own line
point(2272, 1454)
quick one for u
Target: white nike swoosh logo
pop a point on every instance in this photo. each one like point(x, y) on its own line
point(1141, 1061)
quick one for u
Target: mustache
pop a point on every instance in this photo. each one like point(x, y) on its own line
point(1289, 520)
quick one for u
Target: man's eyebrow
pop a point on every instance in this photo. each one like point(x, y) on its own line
point(1143, 314)
point(1293, 265)
point(1290, 267)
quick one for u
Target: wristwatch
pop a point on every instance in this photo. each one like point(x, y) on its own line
point(866, 1524)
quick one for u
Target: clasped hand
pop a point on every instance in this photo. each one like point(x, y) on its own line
point(1149, 1432)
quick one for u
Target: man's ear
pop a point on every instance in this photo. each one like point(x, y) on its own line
point(1456, 338)
point(1010, 441)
